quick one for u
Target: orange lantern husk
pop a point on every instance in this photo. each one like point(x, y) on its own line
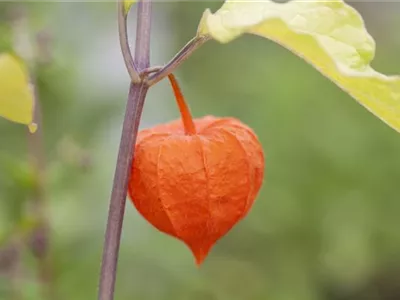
point(195, 179)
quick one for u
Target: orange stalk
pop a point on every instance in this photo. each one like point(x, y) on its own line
point(187, 119)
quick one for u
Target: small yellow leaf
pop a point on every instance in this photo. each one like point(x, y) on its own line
point(330, 35)
point(127, 5)
point(16, 97)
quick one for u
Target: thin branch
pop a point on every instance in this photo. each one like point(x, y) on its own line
point(136, 98)
point(177, 60)
point(124, 43)
point(24, 46)
point(150, 70)
point(39, 241)
point(11, 266)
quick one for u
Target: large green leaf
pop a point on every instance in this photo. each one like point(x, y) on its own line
point(16, 96)
point(330, 35)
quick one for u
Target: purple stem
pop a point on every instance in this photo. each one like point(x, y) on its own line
point(134, 107)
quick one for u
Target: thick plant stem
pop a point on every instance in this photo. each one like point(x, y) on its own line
point(187, 119)
point(142, 46)
point(136, 97)
point(116, 212)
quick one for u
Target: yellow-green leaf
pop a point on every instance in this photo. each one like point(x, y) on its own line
point(16, 96)
point(330, 35)
point(127, 5)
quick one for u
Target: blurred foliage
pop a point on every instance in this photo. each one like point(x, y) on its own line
point(325, 225)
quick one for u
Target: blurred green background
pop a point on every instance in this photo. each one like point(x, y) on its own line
point(325, 226)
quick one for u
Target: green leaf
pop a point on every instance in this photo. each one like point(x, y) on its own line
point(127, 5)
point(330, 35)
point(16, 96)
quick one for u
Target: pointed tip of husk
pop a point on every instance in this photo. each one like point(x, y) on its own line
point(200, 253)
point(199, 259)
